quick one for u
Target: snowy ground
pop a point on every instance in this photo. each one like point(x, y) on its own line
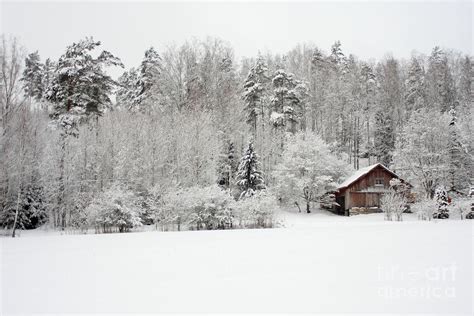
point(317, 263)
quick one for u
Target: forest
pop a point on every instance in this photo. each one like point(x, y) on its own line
point(194, 138)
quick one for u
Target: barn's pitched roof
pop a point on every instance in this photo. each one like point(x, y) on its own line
point(361, 173)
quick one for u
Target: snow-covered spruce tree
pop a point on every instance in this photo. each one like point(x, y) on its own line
point(318, 87)
point(249, 176)
point(227, 167)
point(33, 77)
point(415, 87)
point(49, 68)
point(139, 88)
point(287, 101)
point(254, 92)
point(442, 202)
point(384, 139)
point(337, 57)
point(148, 75)
point(441, 91)
point(32, 211)
point(465, 83)
point(458, 177)
point(127, 91)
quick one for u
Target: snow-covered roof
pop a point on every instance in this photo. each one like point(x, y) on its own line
point(360, 173)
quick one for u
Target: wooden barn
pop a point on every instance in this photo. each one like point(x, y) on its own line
point(361, 192)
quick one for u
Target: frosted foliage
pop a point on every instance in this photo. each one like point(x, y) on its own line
point(114, 208)
point(308, 170)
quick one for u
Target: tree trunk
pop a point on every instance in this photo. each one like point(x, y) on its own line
point(16, 213)
point(299, 208)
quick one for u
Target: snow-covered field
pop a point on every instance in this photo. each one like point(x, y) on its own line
point(317, 263)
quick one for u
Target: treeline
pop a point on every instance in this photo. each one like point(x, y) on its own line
point(182, 120)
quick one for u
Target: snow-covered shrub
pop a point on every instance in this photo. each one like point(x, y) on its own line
point(199, 208)
point(79, 216)
point(464, 207)
point(393, 203)
point(114, 208)
point(155, 207)
point(256, 211)
point(424, 209)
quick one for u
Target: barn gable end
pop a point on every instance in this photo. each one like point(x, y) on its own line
point(361, 192)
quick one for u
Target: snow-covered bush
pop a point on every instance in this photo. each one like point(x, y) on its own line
point(256, 211)
point(79, 215)
point(114, 208)
point(424, 209)
point(394, 201)
point(464, 207)
point(198, 208)
point(155, 207)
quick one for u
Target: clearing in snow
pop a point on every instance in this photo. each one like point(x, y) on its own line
point(316, 263)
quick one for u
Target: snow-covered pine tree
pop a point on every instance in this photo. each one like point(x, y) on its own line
point(80, 87)
point(139, 88)
point(337, 56)
point(79, 90)
point(33, 77)
point(368, 93)
point(286, 104)
point(280, 83)
point(455, 150)
point(249, 176)
point(317, 87)
point(49, 68)
point(227, 167)
point(415, 87)
point(368, 82)
point(148, 75)
point(128, 89)
point(442, 202)
point(441, 90)
point(254, 92)
point(384, 141)
point(296, 101)
point(466, 95)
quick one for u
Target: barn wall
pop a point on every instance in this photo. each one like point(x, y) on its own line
point(365, 199)
point(354, 198)
point(369, 180)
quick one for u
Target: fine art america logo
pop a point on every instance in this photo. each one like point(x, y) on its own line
point(433, 282)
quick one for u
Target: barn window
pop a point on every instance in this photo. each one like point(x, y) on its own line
point(379, 182)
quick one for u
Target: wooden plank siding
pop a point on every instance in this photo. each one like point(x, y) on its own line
point(365, 199)
point(367, 190)
point(369, 181)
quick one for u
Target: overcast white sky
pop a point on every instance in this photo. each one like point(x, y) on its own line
point(367, 29)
